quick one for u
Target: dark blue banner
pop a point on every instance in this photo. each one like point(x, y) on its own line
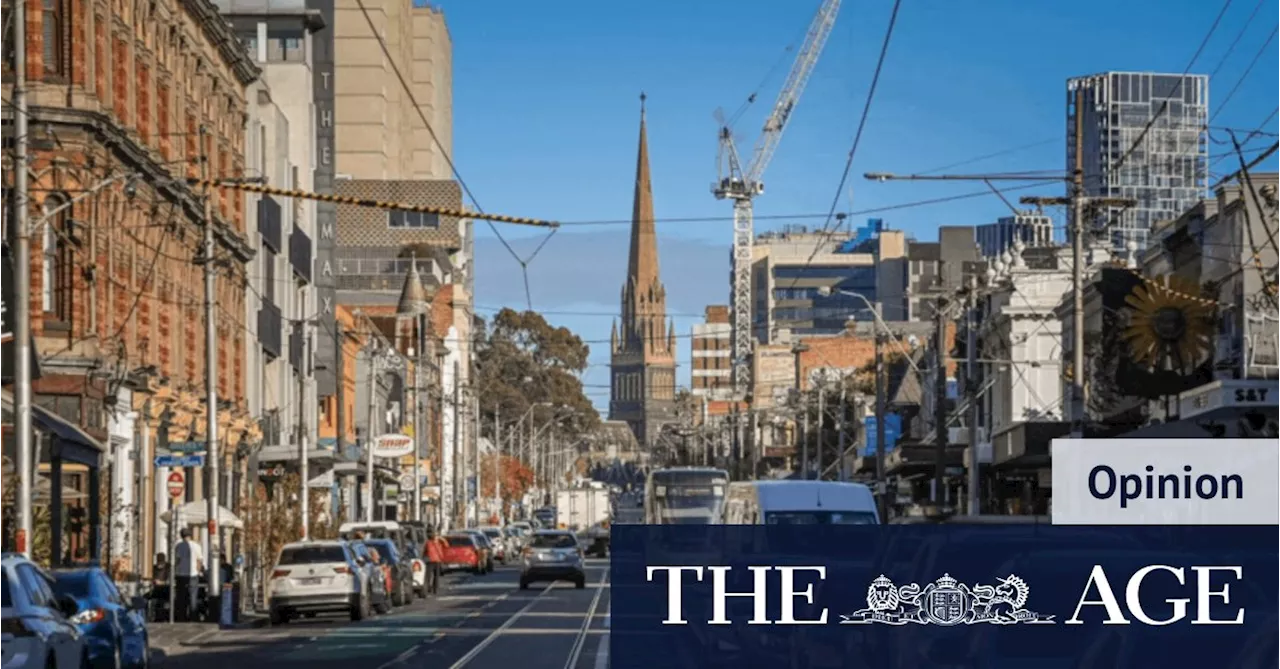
point(943, 596)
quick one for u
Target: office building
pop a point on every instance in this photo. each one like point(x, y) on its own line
point(802, 279)
point(1032, 229)
point(1144, 138)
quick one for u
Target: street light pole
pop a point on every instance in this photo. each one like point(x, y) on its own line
point(302, 433)
point(369, 436)
point(22, 291)
point(211, 383)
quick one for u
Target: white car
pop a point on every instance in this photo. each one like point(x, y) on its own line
point(500, 542)
point(319, 577)
point(36, 632)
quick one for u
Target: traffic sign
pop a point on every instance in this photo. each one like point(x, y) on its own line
point(187, 446)
point(177, 484)
point(892, 432)
point(179, 460)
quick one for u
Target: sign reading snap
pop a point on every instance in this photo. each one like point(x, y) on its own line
point(1166, 482)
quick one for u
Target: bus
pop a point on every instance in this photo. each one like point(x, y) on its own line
point(685, 496)
point(800, 503)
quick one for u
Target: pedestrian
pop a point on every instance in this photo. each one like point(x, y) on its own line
point(435, 556)
point(188, 559)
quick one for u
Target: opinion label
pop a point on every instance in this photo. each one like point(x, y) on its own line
point(1166, 482)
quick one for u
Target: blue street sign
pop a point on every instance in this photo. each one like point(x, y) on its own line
point(471, 488)
point(179, 460)
point(892, 432)
point(187, 446)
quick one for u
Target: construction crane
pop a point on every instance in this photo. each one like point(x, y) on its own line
point(743, 185)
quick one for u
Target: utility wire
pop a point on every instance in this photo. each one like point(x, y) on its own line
point(1244, 75)
point(1165, 105)
point(857, 137)
point(1236, 42)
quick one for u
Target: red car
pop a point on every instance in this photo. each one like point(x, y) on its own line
point(462, 552)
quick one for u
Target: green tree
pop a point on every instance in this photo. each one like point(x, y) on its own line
point(524, 362)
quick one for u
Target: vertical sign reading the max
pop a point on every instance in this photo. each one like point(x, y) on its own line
point(326, 212)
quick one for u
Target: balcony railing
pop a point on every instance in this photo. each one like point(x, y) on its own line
point(269, 223)
point(270, 328)
point(300, 254)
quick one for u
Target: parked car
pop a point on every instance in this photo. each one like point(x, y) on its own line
point(463, 552)
point(499, 541)
point(486, 549)
point(115, 630)
point(553, 555)
point(318, 577)
point(399, 569)
point(35, 627)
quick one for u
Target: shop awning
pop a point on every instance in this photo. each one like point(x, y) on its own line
point(196, 513)
point(70, 443)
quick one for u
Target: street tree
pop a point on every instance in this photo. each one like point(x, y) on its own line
point(525, 362)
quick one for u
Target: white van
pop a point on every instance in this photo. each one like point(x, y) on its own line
point(800, 503)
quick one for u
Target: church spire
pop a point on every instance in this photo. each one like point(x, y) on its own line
point(642, 268)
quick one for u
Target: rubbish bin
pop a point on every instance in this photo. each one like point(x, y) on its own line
point(229, 604)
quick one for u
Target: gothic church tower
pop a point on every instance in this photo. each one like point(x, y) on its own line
point(643, 364)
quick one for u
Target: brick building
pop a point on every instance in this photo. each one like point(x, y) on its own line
point(711, 343)
point(126, 100)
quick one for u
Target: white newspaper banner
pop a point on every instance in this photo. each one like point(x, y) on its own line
point(1166, 482)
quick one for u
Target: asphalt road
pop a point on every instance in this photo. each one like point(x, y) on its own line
point(477, 622)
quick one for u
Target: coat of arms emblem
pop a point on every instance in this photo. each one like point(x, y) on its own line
point(947, 602)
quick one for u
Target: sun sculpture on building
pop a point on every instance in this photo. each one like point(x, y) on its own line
point(1169, 326)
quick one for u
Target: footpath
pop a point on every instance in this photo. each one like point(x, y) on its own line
point(170, 638)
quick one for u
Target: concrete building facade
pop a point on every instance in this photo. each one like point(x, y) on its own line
point(380, 133)
point(280, 147)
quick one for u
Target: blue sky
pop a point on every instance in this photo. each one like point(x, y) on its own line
point(546, 110)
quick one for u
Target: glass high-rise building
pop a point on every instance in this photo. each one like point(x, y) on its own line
point(1167, 173)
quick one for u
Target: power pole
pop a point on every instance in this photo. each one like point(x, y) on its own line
point(457, 441)
point(304, 466)
point(840, 425)
point(211, 382)
point(804, 436)
point(369, 435)
point(971, 394)
point(940, 395)
point(22, 289)
point(882, 490)
point(497, 462)
point(822, 409)
point(421, 437)
point(1077, 273)
point(1079, 204)
point(797, 350)
point(340, 394)
point(475, 455)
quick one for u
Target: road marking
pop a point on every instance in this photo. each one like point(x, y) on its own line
point(576, 652)
point(488, 640)
point(602, 650)
point(602, 653)
point(439, 634)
